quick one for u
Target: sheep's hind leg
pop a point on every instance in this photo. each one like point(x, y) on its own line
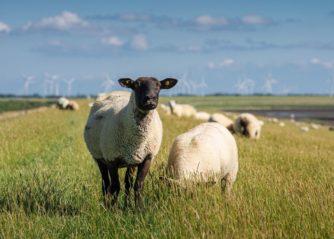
point(143, 169)
point(226, 184)
point(129, 183)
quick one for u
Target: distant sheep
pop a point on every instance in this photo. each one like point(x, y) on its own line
point(248, 125)
point(223, 120)
point(204, 116)
point(305, 129)
point(66, 104)
point(125, 130)
point(182, 110)
point(165, 108)
point(206, 153)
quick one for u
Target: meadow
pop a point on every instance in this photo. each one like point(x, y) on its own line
point(51, 188)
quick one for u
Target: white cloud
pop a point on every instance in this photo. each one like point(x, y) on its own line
point(139, 42)
point(113, 41)
point(325, 64)
point(218, 65)
point(253, 20)
point(206, 20)
point(65, 21)
point(4, 27)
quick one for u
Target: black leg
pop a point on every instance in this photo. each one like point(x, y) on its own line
point(114, 184)
point(129, 183)
point(105, 176)
point(143, 169)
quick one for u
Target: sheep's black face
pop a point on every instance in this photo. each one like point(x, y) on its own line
point(147, 90)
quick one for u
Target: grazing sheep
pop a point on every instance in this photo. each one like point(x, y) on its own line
point(281, 124)
point(305, 129)
point(223, 120)
point(248, 125)
point(206, 153)
point(315, 126)
point(125, 130)
point(66, 104)
point(166, 109)
point(202, 116)
point(182, 110)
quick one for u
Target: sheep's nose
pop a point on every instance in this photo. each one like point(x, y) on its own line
point(150, 98)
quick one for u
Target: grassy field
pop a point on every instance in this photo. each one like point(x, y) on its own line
point(21, 104)
point(50, 186)
point(216, 103)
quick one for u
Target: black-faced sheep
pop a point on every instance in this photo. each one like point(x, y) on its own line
point(124, 130)
point(248, 125)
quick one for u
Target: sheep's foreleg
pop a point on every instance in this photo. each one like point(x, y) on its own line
point(114, 184)
point(129, 183)
point(105, 177)
point(143, 169)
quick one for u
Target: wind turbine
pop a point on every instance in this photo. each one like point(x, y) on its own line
point(200, 85)
point(27, 80)
point(69, 85)
point(240, 86)
point(108, 83)
point(268, 84)
point(249, 84)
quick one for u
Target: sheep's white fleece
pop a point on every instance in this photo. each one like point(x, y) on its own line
point(222, 119)
point(202, 116)
point(205, 153)
point(113, 133)
point(248, 125)
point(182, 110)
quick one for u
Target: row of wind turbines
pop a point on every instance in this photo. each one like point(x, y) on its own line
point(243, 86)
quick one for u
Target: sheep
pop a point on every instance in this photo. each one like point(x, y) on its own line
point(305, 129)
point(223, 120)
point(315, 126)
point(248, 125)
point(66, 104)
point(182, 110)
point(204, 116)
point(281, 124)
point(206, 153)
point(166, 109)
point(125, 130)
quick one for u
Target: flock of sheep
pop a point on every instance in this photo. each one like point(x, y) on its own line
point(124, 130)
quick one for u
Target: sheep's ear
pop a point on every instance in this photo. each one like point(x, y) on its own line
point(126, 82)
point(168, 83)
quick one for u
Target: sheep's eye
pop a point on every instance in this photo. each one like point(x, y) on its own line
point(136, 84)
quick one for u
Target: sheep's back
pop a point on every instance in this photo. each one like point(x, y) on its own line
point(207, 150)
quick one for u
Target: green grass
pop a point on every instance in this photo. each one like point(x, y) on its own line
point(214, 103)
point(21, 104)
point(50, 186)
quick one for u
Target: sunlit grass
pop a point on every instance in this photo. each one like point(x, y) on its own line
point(50, 186)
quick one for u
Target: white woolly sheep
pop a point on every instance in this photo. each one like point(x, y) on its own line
point(248, 125)
point(202, 116)
point(165, 108)
point(223, 120)
point(182, 110)
point(305, 129)
point(206, 153)
point(66, 104)
point(125, 130)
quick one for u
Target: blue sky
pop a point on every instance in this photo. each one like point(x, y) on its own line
point(211, 46)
